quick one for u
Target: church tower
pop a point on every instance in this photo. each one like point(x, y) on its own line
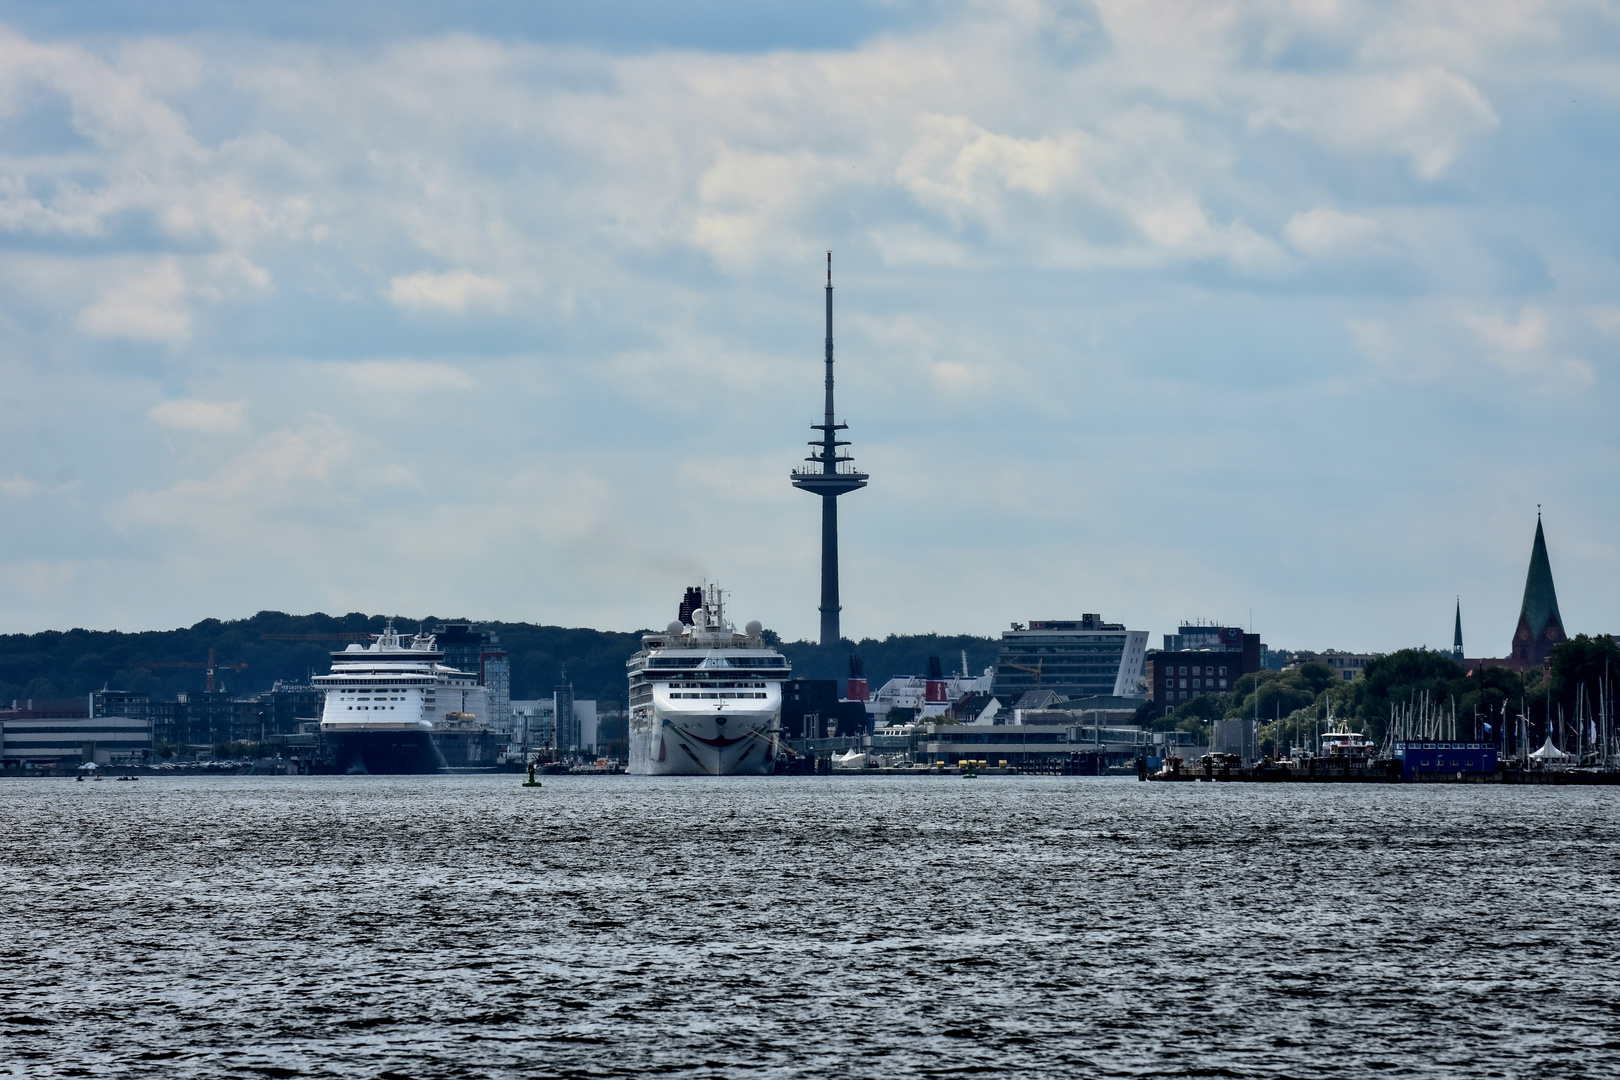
point(1456, 637)
point(1540, 625)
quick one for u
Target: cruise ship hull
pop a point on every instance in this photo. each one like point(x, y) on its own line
point(385, 752)
point(703, 745)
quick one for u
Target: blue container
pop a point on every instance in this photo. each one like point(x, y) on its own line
point(1422, 756)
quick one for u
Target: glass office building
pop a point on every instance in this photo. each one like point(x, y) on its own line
point(1073, 658)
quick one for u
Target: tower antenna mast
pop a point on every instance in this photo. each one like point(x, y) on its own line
point(830, 474)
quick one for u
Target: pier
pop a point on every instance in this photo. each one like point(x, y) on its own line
point(1229, 768)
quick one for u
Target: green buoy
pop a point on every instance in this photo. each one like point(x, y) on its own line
point(531, 782)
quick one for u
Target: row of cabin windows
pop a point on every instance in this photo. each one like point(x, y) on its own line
point(714, 685)
point(373, 681)
point(713, 696)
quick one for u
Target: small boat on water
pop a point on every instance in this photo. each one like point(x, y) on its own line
point(1346, 743)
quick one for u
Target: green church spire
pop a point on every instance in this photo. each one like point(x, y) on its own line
point(1540, 598)
point(1540, 625)
point(1456, 638)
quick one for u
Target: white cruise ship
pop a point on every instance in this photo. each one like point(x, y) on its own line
point(385, 701)
point(705, 700)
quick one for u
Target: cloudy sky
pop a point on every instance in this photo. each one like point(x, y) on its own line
point(1288, 313)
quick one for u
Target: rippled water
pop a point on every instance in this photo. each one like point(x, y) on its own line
point(839, 926)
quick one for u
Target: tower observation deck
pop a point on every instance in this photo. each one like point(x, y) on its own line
point(830, 474)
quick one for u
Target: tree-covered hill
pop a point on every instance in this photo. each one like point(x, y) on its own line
point(56, 664)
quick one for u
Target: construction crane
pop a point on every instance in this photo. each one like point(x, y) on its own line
point(1035, 671)
point(316, 637)
point(210, 666)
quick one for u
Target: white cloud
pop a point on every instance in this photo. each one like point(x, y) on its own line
point(19, 486)
point(1324, 232)
point(148, 307)
point(41, 579)
point(287, 476)
point(453, 291)
point(405, 376)
point(1426, 115)
point(1526, 347)
point(191, 414)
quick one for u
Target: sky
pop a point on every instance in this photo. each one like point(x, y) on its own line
point(1287, 315)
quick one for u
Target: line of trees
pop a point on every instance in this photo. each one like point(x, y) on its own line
point(1290, 705)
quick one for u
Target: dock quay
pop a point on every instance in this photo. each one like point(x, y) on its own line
point(1230, 769)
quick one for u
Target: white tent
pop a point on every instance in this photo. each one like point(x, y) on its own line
point(1549, 752)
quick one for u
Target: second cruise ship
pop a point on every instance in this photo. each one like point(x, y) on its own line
point(386, 701)
point(705, 699)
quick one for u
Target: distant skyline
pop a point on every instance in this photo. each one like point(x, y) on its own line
point(1162, 311)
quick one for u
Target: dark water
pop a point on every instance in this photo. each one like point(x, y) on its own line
point(842, 926)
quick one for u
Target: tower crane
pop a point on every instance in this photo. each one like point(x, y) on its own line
point(210, 666)
point(1035, 671)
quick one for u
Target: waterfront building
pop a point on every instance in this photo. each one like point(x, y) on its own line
point(1202, 637)
point(565, 730)
point(495, 672)
point(1082, 657)
point(1240, 737)
point(286, 705)
point(203, 719)
point(831, 474)
point(1176, 677)
point(1193, 637)
point(1349, 665)
point(974, 708)
point(1223, 654)
point(811, 708)
point(585, 721)
point(1110, 711)
point(206, 717)
point(1420, 758)
point(479, 653)
point(534, 723)
point(1022, 744)
point(105, 702)
point(70, 740)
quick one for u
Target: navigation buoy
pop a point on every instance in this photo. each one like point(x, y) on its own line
point(531, 782)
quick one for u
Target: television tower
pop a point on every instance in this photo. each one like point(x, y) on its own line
point(830, 475)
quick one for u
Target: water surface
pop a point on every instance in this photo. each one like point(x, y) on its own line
point(816, 926)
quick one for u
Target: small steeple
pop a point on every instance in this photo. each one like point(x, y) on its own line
point(1456, 637)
